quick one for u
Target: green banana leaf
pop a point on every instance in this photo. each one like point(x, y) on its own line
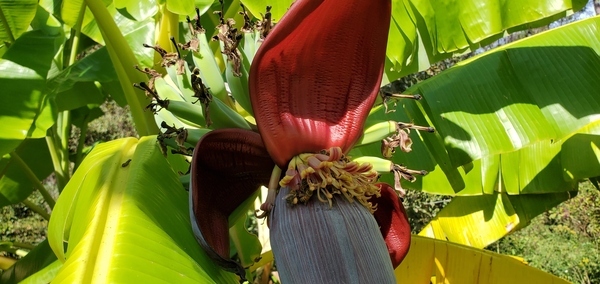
point(44, 275)
point(71, 10)
point(425, 32)
point(26, 111)
point(185, 7)
point(67, 85)
point(505, 120)
point(15, 17)
point(435, 261)
point(137, 10)
point(124, 217)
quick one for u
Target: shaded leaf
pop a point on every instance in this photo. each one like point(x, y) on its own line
point(15, 186)
point(15, 17)
point(26, 110)
point(45, 275)
point(94, 67)
point(73, 98)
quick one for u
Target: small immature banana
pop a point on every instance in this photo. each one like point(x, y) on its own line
point(172, 100)
point(165, 90)
point(380, 165)
point(249, 46)
point(209, 69)
point(182, 82)
point(182, 140)
point(238, 85)
point(194, 135)
point(188, 113)
point(377, 132)
point(223, 116)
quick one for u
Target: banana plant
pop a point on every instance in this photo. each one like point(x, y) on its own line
point(188, 68)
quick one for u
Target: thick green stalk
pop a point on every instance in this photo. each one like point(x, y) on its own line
point(55, 156)
point(65, 117)
point(76, 35)
point(124, 61)
point(23, 245)
point(63, 134)
point(34, 180)
point(79, 152)
point(37, 209)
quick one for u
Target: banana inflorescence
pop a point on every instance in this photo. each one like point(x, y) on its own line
point(202, 92)
point(197, 94)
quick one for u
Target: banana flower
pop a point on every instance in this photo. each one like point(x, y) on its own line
point(312, 84)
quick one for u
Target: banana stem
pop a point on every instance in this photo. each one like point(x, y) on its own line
point(82, 134)
point(23, 245)
point(54, 155)
point(60, 156)
point(77, 35)
point(34, 180)
point(37, 209)
point(63, 135)
point(124, 61)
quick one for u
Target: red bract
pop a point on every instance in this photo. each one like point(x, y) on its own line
point(393, 223)
point(315, 78)
point(229, 165)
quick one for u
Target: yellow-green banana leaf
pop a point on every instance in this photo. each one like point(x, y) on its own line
point(123, 218)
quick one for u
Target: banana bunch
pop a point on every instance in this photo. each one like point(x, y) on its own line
point(197, 95)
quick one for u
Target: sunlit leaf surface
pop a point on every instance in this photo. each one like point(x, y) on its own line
point(136, 30)
point(124, 218)
point(26, 111)
point(445, 262)
point(504, 119)
point(478, 221)
point(15, 185)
